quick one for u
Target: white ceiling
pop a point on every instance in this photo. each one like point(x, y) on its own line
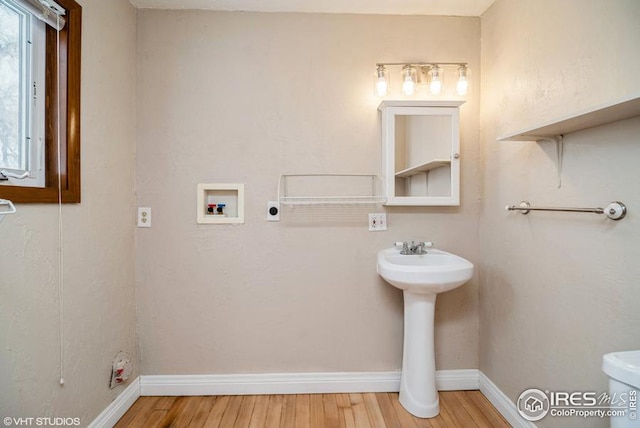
point(390, 7)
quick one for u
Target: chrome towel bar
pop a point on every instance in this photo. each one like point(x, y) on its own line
point(614, 210)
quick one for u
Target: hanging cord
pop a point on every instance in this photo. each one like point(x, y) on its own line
point(560, 154)
point(60, 241)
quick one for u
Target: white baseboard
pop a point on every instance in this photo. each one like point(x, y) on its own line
point(457, 380)
point(270, 383)
point(118, 407)
point(300, 383)
point(502, 403)
point(296, 383)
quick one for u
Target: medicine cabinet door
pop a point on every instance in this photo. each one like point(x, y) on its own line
point(421, 160)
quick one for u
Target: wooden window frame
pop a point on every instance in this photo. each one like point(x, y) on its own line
point(69, 63)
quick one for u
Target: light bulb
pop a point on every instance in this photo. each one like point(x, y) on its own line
point(435, 87)
point(382, 81)
point(382, 87)
point(408, 86)
point(409, 80)
point(463, 84)
point(435, 84)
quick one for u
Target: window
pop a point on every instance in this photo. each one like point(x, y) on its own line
point(22, 62)
point(40, 100)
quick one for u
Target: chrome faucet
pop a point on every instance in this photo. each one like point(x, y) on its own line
point(414, 248)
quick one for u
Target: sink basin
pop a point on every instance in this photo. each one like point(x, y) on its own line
point(434, 272)
point(421, 278)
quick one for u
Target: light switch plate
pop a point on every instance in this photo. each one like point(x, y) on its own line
point(377, 222)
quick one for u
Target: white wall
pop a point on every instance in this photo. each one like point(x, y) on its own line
point(99, 314)
point(245, 97)
point(558, 290)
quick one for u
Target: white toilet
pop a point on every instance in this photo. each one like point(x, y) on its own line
point(623, 369)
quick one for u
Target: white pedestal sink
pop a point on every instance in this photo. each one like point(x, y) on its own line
point(421, 277)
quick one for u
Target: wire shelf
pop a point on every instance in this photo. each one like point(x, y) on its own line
point(330, 189)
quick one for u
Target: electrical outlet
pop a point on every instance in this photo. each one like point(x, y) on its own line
point(144, 217)
point(273, 211)
point(377, 222)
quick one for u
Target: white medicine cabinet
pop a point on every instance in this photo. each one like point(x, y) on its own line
point(421, 152)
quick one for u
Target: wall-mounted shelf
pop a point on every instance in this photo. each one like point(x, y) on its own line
point(599, 115)
point(427, 166)
point(330, 189)
point(231, 195)
point(333, 200)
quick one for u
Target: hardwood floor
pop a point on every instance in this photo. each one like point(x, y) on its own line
point(380, 410)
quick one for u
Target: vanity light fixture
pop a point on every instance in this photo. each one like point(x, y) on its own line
point(414, 74)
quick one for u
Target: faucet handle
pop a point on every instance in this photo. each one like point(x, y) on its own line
point(420, 248)
point(403, 247)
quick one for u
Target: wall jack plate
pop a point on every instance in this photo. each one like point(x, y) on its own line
point(377, 222)
point(273, 211)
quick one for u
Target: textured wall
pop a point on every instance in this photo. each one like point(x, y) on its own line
point(244, 97)
point(558, 290)
point(99, 314)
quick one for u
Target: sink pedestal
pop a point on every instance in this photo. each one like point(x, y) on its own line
point(421, 277)
point(418, 393)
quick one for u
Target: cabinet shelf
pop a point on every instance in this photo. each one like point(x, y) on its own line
point(427, 166)
point(596, 116)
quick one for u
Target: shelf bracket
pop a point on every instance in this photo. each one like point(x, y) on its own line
point(554, 138)
point(559, 140)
